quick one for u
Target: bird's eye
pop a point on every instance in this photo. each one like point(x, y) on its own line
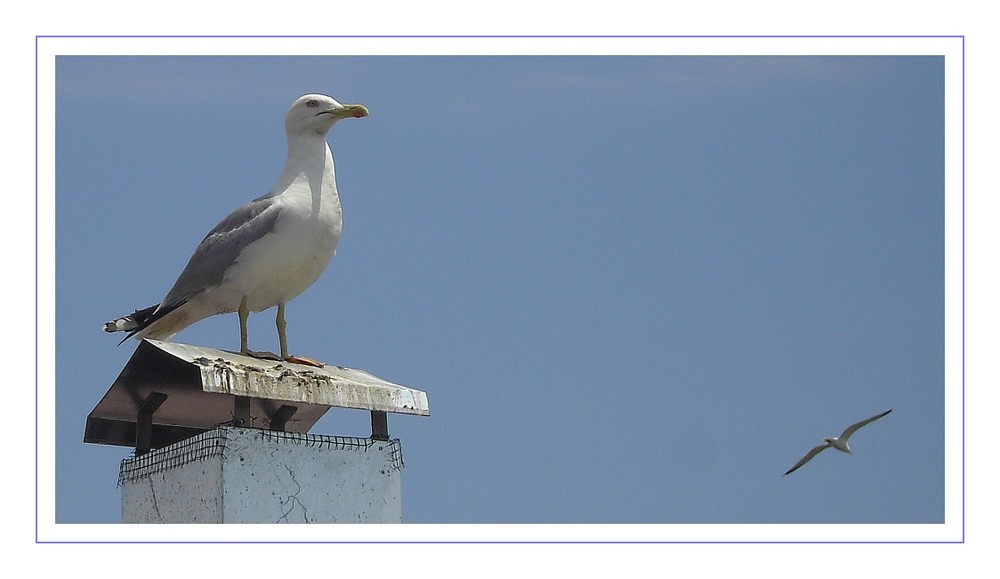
point(312, 104)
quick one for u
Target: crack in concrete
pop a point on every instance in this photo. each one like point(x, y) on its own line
point(152, 493)
point(293, 500)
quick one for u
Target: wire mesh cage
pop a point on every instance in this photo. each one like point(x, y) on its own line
point(215, 442)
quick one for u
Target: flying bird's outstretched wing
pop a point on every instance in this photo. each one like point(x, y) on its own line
point(852, 428)
point(809, 455)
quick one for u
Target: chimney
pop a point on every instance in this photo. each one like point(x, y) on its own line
point(224, 438)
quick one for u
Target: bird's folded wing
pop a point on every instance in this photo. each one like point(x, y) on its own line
point(221, 247)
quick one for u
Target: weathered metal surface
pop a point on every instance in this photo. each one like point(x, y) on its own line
point(201, 385)
point(229, 373)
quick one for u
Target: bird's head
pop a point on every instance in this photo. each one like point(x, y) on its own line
point(318, 112)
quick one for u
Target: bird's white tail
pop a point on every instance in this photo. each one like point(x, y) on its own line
point(125, 324)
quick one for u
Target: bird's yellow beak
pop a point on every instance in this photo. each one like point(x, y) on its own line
point(355, 111)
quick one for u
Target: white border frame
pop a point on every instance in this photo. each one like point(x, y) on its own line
point(951, 47)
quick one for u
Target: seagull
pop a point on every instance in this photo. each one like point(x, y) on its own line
point(268, 251)
point(838, 442)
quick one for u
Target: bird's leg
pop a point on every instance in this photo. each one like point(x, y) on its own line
point(244, 313)
point(282, 339)
point(283, 342)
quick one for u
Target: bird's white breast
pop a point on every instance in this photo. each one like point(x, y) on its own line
point(282, 264)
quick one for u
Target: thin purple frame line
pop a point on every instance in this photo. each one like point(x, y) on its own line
point(963, 288)
point(488, 36)
point(36, 289)
point(960, 37)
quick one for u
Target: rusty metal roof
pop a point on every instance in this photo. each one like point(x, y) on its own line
point(185, 390)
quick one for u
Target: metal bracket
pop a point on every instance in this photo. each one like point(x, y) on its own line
point(281, 416)
point(380, 425)
point(241, 411)
point(144, 422)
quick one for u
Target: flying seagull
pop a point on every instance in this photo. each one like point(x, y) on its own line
point(838, 442)
point(268, 251)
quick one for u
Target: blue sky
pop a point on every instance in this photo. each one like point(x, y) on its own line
point(635, 289)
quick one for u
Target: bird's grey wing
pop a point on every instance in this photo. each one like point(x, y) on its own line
point(852, 428)
point(809, 455)
point(220, 248)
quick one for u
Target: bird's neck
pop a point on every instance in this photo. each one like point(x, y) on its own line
point(309, 165)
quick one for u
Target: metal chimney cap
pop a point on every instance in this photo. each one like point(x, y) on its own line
point(189, 389)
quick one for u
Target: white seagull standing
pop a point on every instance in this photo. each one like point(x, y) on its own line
point(839, 442)
point(268, 251)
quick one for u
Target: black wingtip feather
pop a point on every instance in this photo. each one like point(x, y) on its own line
point(147, 316)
